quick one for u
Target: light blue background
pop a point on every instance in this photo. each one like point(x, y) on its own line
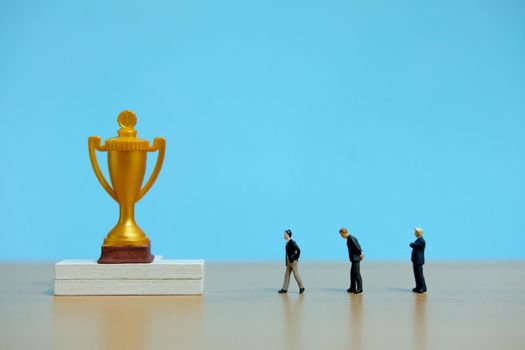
point(310, 115)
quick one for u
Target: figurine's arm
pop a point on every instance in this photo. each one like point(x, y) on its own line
point(296, 252)
point(348, 242)
point(361, 255)
point(417, 244)
point(358, 246)
point(289, 253)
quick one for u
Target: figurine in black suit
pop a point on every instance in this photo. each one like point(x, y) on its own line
point(418, 259)
point(292, 258)
point(355, 254)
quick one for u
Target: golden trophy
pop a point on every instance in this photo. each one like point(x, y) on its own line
point(126, 242)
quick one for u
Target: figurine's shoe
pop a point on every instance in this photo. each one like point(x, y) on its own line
point(419, 291)
point(282, 291)
point(350, 290)
point(359, 291)
point(301, 290)
point(414, 290)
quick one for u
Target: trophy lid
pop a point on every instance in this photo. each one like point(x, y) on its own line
point(127, 139)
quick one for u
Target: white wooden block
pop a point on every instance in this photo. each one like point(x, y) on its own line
point(161, 277)
point(158, 269)
point(129, 287)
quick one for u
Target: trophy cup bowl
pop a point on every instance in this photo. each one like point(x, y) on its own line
point(127, 155)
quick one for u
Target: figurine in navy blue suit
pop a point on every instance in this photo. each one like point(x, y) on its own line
point(418, 259)
point(355, 254)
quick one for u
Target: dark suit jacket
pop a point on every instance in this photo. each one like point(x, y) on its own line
point(354, 249)
point(292, 251)
point(418, 251)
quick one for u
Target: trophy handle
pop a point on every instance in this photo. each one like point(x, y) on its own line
point(159, 144)
point(93, 146)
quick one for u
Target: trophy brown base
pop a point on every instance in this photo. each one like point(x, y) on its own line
point(125, 255)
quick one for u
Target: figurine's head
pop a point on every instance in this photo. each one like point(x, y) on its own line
point(287, 234)
point(343, 232)
point(418, 232)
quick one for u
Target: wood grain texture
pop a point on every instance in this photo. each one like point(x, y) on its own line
point(470, 305)
point(129, 287)
point(158, 269)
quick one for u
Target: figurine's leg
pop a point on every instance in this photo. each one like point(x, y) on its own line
point(286, 282)
point(357, 277)
point(295, 268)
point(352, 277)
point(416, 276)
point(422, 283)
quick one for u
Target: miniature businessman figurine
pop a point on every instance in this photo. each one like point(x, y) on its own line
point(418, 259)
point(355, 254)
point(292, 259)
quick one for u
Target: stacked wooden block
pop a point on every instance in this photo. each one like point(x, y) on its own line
point(161, 277)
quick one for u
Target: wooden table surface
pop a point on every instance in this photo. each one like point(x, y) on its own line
point(470, 305)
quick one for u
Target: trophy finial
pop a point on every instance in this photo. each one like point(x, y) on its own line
point(127, 120)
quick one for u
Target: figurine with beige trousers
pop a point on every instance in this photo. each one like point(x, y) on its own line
point(292, 261)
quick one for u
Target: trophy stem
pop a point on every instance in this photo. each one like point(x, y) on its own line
point(127, 215)
point(126, 243)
